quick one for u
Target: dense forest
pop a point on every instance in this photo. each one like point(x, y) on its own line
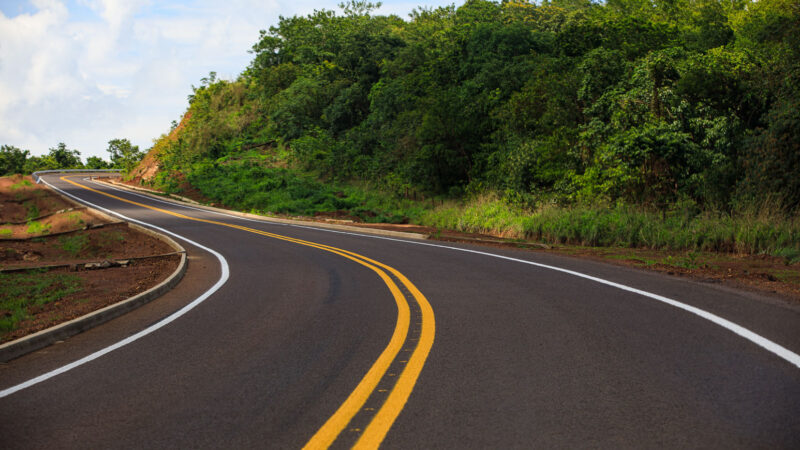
point(682, 110)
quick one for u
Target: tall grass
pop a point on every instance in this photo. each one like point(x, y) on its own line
point(624, 226)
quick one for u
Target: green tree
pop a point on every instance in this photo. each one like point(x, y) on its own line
point(36, 163)
point(12, 160)
point(95, 162)
point(124, 155)
point(65, 158)
point(646, 101)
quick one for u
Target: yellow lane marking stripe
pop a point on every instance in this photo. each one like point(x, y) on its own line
point(385, 417)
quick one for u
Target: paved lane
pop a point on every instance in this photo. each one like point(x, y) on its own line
point(523, 356)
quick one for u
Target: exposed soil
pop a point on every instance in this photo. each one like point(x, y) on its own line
point(113, 241)
point(69, 220)
point(100, 288)
point(147, 168)
point(191, 192)
point(19, 194)
point(761, 273)
point(65, 235)
point(341, 216)
point(149, 165)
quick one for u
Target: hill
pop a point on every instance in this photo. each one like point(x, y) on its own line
point(635, 123)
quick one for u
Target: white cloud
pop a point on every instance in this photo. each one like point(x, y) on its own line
point(88, 71)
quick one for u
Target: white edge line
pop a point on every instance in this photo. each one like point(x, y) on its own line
point(166, 321)
point(780, 351)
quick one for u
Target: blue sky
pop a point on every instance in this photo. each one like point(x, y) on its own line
point(84, 72)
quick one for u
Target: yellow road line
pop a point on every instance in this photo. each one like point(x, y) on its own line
point(383, 420)
point(377, 429)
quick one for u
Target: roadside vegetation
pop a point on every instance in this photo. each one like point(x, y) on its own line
point(14, 160)
point(626, 123)
point(253, 187)
point(624, 225)
point(665, 125)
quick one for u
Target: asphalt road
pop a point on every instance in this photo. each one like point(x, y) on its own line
point(316, 336)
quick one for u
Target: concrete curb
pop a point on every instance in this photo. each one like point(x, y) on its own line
point(332, 226)
point(44, 338)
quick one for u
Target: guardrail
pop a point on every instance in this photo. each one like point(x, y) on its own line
point(35, 175)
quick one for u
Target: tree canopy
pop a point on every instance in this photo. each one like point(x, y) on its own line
point(124, 155)
point(649, 102)
point(14, 160)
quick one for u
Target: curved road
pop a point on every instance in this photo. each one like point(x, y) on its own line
point(283, 336)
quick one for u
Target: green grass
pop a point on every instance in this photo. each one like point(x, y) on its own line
point(35, 227)
point(75, 219)
point(20, 291)
point(32, 210)
point(248, 186)
point(73, 244)
point(790, 255)
point(626, 226)
point(787, 276)
point(6, 231)
point(21, 184)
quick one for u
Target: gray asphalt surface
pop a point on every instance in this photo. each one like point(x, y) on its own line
point(524, 357)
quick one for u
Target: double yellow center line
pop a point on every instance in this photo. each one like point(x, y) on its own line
point(383, 419)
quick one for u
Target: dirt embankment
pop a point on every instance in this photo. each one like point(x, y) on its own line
point(148, 167)
point(59, 261)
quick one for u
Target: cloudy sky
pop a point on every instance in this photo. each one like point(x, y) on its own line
point(84, 72)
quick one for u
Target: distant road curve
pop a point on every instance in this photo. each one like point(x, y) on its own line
point(321, 337)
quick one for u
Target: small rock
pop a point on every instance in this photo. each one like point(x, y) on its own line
point(31, 256)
